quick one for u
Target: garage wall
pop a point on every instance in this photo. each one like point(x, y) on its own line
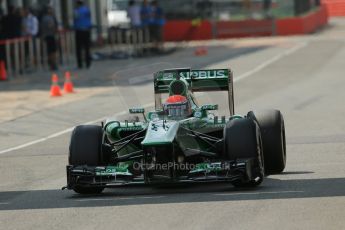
point(335, 7)
point(179, 30)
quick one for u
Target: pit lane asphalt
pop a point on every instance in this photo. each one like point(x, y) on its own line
point(306, 85)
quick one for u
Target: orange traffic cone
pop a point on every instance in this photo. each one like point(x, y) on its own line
point(55, 88)
point(3, 73)
point(68, 85)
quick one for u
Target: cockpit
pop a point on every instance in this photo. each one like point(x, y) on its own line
point(177, 106)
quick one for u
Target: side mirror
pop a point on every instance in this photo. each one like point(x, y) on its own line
point(209, 107)
point(136, 110)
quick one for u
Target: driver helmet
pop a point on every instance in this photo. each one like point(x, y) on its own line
point(177, 106)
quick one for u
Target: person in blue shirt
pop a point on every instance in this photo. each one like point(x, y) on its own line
point(157, 22)
point(145, 14)
point(82, 26)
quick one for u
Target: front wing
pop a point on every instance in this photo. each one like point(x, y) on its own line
point(103, 176)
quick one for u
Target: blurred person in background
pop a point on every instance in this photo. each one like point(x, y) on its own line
point(30, 23)
point(82, 26)
point(48, 31)
point(2, 15)
point(30, 30)
point(2, 37)
point(205, 7)
point(133, 13)
point(267, 8)
point(1, 22)
point(247, 5)
point(12, 23)
point(145, 14)
point(157, 22)
point(12, 28)
point(1, 10)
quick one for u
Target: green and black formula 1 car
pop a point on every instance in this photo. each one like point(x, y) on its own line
point(180, 141)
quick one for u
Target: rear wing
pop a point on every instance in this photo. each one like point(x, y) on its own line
point(198, 81)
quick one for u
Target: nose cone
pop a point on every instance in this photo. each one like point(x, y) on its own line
point(160, 133)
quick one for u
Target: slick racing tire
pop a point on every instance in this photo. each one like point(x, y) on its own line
point(85, 146)
point(271, 123)
point(85, 149)
point(242, 141)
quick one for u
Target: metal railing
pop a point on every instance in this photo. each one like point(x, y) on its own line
point(28, 54)
point(130, 41)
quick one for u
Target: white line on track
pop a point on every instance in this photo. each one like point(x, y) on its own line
point(60, 133)
point(239, 78)
point(120, 198)
point(36, 141)
point(256, 193)
point(270, 61)
point(4, 203)
point(140, 79)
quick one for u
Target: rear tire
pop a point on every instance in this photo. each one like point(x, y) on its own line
point(243, 140)
point(85, 149)
point(271, 123)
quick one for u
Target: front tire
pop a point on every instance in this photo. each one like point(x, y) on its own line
point(85, 149)
point(271, 123)
point(243, 140)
